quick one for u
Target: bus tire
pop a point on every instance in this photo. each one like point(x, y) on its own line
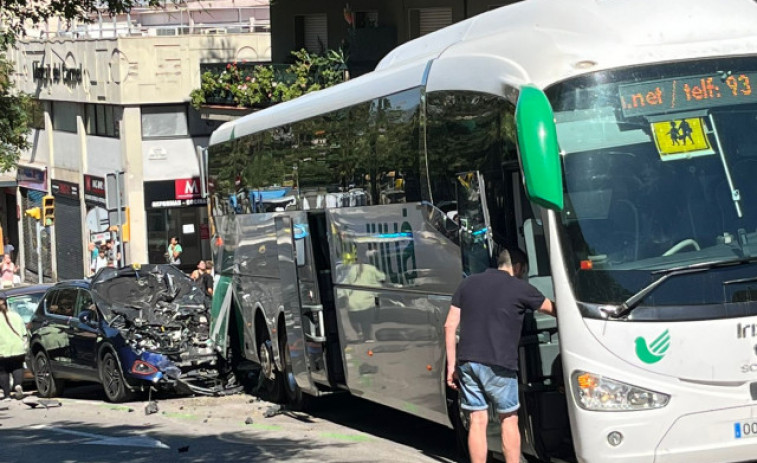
point(460, 426)
point(270, 385)
point(296, 399)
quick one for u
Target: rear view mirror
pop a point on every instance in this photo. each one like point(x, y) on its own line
point(537, 144)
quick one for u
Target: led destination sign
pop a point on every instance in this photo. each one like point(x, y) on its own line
point(687, 93)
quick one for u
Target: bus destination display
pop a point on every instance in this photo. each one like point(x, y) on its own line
point(687, 93)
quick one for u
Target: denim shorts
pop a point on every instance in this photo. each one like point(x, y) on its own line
point(484, 384)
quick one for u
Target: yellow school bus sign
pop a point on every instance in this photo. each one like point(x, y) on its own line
point(681, 138)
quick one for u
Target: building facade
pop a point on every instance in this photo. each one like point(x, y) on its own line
point(112, 104)
point(366, 29)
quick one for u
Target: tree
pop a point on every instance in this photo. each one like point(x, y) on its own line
point(14, 16)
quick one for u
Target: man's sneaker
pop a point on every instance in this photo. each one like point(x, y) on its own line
point(18, 392)
point(6, 399)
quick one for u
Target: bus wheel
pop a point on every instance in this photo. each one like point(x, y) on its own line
point(270, 381)
point(296, 399)
point(459, 424)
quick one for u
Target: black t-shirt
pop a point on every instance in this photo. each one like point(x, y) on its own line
point(205, 283)
point(492, 305)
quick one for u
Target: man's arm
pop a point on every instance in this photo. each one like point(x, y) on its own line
point(548, 307)
point(450, 339)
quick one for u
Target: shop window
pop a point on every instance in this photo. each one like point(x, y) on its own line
point(103, 120)
point(426, 20)
point(35, 111)
point(311, 32)
point(164, 121)
point(64, 115)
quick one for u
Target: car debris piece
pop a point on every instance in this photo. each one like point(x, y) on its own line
point(45, 403)
point(248, 420)
point(273, 410)
point(183, 449)
point(151, 407)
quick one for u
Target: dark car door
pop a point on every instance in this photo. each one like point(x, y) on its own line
point(83, 335)
point(53, 330)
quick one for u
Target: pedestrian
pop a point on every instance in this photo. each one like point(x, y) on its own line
point(205, 280)
point(199, 270)
point(102, 258)
point(94, 252)
point(9, 249)
point(113, 252)
point(489, 307)
point(173, 253)
point(12, 349)
point(7, 271)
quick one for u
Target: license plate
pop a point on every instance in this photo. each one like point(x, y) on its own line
point(744, 429)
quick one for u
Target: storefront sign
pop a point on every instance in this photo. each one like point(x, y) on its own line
point(67, 189)
point(173, 193)
point(94, 189)
point(34, 179)
point(187, 188)
point(56, 73)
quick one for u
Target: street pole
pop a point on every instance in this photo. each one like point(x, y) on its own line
point(39, 251)
point(122, 259)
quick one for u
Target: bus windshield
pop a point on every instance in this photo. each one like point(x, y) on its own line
point(659, 163)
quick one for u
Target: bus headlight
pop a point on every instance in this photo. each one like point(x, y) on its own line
point(595, 392)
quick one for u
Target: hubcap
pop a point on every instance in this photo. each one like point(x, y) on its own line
point(111, 377)
point(42, 374)
point(266, 360)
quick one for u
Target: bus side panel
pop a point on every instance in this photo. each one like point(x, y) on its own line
point(393, 273)
point(257, 280)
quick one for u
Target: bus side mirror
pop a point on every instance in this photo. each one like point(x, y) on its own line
point(537, 144)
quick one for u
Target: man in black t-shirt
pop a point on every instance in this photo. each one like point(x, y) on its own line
point(489, 309)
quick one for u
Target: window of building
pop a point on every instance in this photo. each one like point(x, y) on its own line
point(35, 111)
point(366, 19)
point(311, 32)
point(164, 121)
point(103, 120)
point(64, 115)
point(426, 20)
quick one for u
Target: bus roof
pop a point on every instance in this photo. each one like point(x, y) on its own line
point(534, 41)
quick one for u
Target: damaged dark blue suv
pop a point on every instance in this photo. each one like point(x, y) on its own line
point(128, 329)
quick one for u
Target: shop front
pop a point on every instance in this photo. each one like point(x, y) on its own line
point(32, 183)
point(176, 208)
point(68, 233)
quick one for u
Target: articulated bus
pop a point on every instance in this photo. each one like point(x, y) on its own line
point(615, 141)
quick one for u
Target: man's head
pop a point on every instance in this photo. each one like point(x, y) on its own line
point(174, 240)
point(513, 261)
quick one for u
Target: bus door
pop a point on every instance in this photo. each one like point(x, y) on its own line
point(543, 412)
point(304, 318)
point(473, 216)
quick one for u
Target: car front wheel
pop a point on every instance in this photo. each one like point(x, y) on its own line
point(47, 385)
point(114, 383)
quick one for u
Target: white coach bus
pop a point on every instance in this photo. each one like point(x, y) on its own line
point(613, 140)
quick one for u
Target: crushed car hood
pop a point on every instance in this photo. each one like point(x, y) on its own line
point(156, 307)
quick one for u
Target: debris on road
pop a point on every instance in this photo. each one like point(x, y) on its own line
point(273, 410)
point(248, 420)
point(45, 403)
point(151, 407)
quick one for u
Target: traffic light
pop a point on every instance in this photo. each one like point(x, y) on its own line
point(35, 213)
point(48, 210)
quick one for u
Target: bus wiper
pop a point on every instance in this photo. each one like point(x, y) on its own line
point(632, 302)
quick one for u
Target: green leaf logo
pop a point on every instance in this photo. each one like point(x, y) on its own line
point(653, 352)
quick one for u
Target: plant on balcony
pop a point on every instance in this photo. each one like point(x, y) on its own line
point(263, 85)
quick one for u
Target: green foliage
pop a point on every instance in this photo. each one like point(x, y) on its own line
point(262, 85)
point(14, 107)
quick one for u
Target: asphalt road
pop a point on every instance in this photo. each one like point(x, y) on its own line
point(85, 428)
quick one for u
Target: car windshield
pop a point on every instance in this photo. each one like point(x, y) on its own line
point(659, 166)
point(25, 305)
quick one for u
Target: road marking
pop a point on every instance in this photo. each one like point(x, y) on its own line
point(347, 437)
point(99, 439)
